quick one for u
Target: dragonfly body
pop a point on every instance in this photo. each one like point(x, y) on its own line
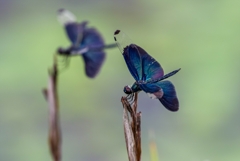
point(149, 75)
point(85, 41)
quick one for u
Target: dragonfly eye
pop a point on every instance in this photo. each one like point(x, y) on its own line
point(127, 90)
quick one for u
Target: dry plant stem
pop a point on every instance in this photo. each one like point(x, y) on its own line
point(137, 127)
point(138, 136)
point(134, 106)
point(54, 138)
point(129, 137)
point(132, 129)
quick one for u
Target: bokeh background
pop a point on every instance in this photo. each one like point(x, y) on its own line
point(201, 37)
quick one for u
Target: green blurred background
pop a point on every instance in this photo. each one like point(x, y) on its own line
point(201, 37)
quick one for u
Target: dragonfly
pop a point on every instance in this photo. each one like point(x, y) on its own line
point(147, 72)
point(85, 41)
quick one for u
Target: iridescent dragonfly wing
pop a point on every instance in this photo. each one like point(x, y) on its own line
point(153, 90)
point(169, 99)
point(130, 53)
point(140, 64)
point(151, 69)
point(165, 92)
point(93, 57)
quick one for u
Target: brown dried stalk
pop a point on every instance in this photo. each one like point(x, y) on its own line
point(132, 129)
point(54, 137)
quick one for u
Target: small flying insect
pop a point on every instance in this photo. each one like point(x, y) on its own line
point(85, 41)
point(148, 74)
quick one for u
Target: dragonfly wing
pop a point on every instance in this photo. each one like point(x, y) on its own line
point(151, 69)
point(133, 61)
point(65, 17)
point(130, 53)
point(164, 91)
point(92, 39)
point(72, 32)
point(93, 58)
point(75, 32)
point(141, 65)
point(154, 91)
point(169, 99)
point(93, 62)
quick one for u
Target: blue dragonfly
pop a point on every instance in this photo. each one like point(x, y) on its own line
point(85, 41)
point(148, 74)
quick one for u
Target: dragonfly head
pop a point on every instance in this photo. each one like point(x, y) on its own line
point(127, 90)
point(62, 51)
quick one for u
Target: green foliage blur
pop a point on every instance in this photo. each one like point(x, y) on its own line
point(201, 37)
